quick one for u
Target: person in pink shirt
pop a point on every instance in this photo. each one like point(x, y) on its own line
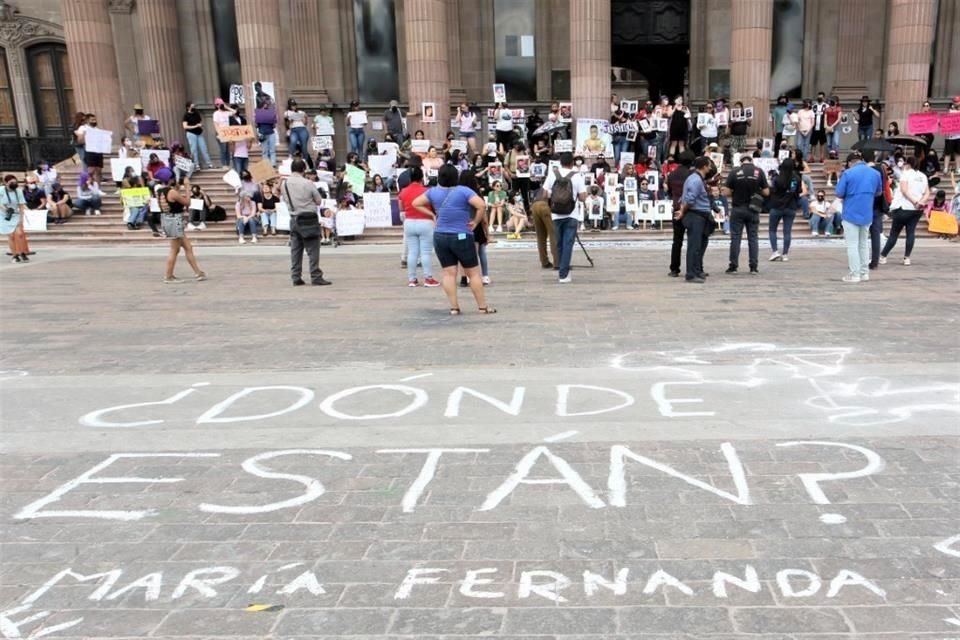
point(805, 120)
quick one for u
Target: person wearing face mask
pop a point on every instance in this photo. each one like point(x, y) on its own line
point(865, 115)
point(818, 138)
point(832, 118)
point(132, 123)
point(12, 208)
point(907, 207)
point(819, 212)
point(779, 110)
point(951, 146)
point(193, 125)
point(34, 196)
point(174, 199)
point(221, 118)
point(94, 161)
point(393, 121)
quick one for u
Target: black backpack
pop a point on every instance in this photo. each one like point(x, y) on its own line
point(562, 200)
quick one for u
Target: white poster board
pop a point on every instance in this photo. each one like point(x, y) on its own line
point(350, 222)
point(232, 178)
point(419, 146)
point(35, 220)
point(562, 146)
point(627, 157)
point(99, 141)
point(376, 210)
point(118, 166)
point(283, 216)
point(381, 166)
point(593, 138)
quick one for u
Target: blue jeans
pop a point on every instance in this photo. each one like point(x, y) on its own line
point(566, 230)
point(240, 164)
point(137, 216)
point(198, 149)
point(250, 224)
point(776, 215)
point(299, 136)
point(482, 254)
point(81, 151)
point(224, 154)
point(269, 148)
point(857, 237)
point(268, 218)
point(419, 238)
point(865, 133)
point(803, 144)
point(357, 139)
point(619, 146)
point(833, 140)
point(88, 203)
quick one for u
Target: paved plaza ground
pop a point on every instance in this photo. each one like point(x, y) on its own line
point(628, 456)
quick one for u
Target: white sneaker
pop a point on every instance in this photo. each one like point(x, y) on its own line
point(499, 229)
point(490, 229)
point(865, 277)
point(203, 225)
point(906, 262)
point(851, 278)
point(87, 212)
point(253, 239)
point(566, 280)
point(785, 258)
point(191, 227)
point(814, 234)
point(96, 212)
point(883, 260)
point(776, 256)
point(486, 279)
point(242, 241)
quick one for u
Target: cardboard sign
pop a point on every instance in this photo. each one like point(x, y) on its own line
point(376, 210)
point(950, 123)
point(99, 141)
point(135, 198)
point(235, 133)
point(321, 143)
point(232, 178)
point(35, 221)
point(918, 123)
point(350, 222)
point(286, 167)
point(262, 171)
point(118, 166)
point(459, 145)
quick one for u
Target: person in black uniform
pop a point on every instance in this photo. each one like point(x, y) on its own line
point(675, 187)
point(742, 184)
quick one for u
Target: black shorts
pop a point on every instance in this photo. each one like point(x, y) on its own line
point(818, 136)
point(93, 159)
point(951, 147)
point(451, 250)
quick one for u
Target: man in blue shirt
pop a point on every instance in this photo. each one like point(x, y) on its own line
point(695, 213)
point(858, 187)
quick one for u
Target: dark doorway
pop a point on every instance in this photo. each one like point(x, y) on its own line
point(651, 42)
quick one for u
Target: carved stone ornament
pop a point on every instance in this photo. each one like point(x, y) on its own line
point(16, 29)
point(121, 6)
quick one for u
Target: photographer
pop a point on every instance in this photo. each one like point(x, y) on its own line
point(12, 206)
point(746, 186)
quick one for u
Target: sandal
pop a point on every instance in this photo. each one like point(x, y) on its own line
point(487, 310)
point(455, 311)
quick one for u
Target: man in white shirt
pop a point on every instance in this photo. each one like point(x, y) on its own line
point(564, 209)
point(707, 124)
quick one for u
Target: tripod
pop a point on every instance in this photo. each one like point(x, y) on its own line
point(584, 249)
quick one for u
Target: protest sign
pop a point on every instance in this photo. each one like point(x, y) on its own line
point(766, 164)
point(283, 216)
point(950, 123)
point(35, 221)
point(381, 166)
point(286, 167)
point(196, 204)
point(631, 201)
point(926, 122)
point(265, 96)
point(377, 125)
point(627, 157)
point(593, 139)
point(419, 146)
point(767, 145)
point(428, 111)
point(147, 127)
point(350, 222)
point(653, 180)
point(135, 198)
point(232, 178)
point(262, 171)
point(748, 113)
point(320, 143)
point(356, 178)
point(723, 118)
point(236, 95)
point(323, 126)
point(662, 124)
point(630, 183)
point(99, 141)
point(783, 154)
point(523, 166)
point(566, 112)
point(563, 146)
point(154, 205)
point(376, 210)
point(357, 118)
point(499, 93)
point(183, 164)
point(118, 166)
point(459, 145)
point(538, 171)
point(621, 127)
point(717, 159)
point(613, 201)
point(235, 133)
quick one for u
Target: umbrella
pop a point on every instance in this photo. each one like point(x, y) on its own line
point(875, 145)
point(549, 127)
point(907, 141)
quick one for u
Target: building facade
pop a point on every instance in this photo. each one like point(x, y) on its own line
point(104, 56)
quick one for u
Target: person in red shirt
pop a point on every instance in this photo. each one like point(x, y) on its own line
point(417, 231)
point(833, 117)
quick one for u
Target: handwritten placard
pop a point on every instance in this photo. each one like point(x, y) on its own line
point(420, 146)
point(563, 146)
point(235, 133)
point(118, 166)
point(376, 210)
point(350, 222)
point(183, 164)
point(135, 198)
point(99, 141)
point(356, 177)
point(950, 123)
point(918, 123)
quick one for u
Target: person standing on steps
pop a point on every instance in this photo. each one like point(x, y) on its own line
point(746, 186)
point(695, 214)
point(302, 198)
point(174, 199)
point(193, 125)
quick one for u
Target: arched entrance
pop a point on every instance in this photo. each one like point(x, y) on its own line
point(650, 47)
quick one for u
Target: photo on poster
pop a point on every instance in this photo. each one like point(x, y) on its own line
point(748, 113)
point(499, 93)
point(736, 115)
point(613, 201)
point(566, 112)
point(264, 95)
point(631, 201)
point(612, 180)
point(652, 152)
point(627, 157)
point(723, 118)
point(494, 172)
point(593, 138)
point(630, 184)
point(538, 171)
point(428, 112)
point(767, 145)
point(653, 181)
point(625, 106)
point(663, 124)
point(523, 166)
point(645, 125)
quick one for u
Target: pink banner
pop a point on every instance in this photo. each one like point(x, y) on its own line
point(950, 123)
point(918, 123)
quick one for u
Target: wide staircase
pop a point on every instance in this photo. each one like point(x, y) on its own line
point(109, 227)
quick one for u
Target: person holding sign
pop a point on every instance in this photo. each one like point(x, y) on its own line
point(302, 197)
point(221, 118)
point(298, 134)
point(453, 238)
point(356, 124)
point(174, 200)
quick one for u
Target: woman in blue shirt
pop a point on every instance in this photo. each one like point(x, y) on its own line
point(453, 239)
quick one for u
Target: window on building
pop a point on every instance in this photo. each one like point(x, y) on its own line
point(8, 118)
point(49, 72)
point(514, 22)
point(375, 32)
point(226, 44)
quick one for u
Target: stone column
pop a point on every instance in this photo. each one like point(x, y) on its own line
point(699, 23)
point(258, 30)
point(590, 58)
point(93, 62)
point(946, 61)
point(307, 84)
point(541, 43)
point(909, 48)
point(457, 94)
point(849, 82)
point(163, 82)
point(427, 66)
point(750, 53)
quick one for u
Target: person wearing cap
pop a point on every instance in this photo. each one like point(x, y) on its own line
point(951, 146)
point(295, 121)
point(864, 116)
point(221, 118)
point(131, 123)
point(858, 188)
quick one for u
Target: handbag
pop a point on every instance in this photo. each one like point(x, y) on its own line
point(306, 224)
point(942, 222)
